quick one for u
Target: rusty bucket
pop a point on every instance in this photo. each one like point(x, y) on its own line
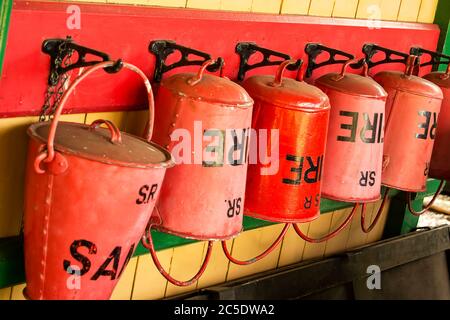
point(89, 194)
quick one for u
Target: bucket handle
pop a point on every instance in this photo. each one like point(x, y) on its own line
point(428, 206)
point(49, 154)
point(410, 65)
point(198, 77)
point(446, 75)
point(341, 75)
point(259, 257)
point(279, 74)
point(116, 137)
point(335, 232)
point(377, 217)
point(147, 242)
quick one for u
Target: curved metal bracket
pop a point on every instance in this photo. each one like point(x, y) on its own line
point(436, 58)
point(370, 50)
point(60, 49)
point(164, 48)
point(313, 50)
point(246, 49)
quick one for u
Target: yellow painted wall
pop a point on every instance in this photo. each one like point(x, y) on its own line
point(392, 10)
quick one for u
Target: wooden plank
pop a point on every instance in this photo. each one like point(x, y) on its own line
point(339, 242)
point(168, 3)
point(130, 2)
point(233, 5)
point(5, 293)
point(149, 284)
point(295, 7)
point(369, 9)
point(317, 229)
point(377, 233)
point(17, 292)
point(356, 236)
point(186, 261)
point(124, 287)
point(427, 11)
point(321, 8)
point(409, 10)
point(217, 269)
point(250, 244)
point(378, 10)
point(266, 6)
point(345, 8)
point(293, 246)
point(201, 4)
point(390, 9)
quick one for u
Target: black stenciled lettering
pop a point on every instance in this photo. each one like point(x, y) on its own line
point(372, 178)
point(152, 192)
point(308, 202)
point(351, 127)
point(367, 178)
point(143, 194)
point(85, 262)
point(369, 126)
point(380, 129)
point(230, 211)
point(364, 178)
point(424, 125)
point(113, 256)
point(147, 193)
point(238, 146)
point(434, 126)
point(298, 170)
point(217, 150)
point(313, 169)
point(234, 207)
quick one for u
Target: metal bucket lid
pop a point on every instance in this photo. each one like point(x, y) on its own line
point(288, 94)
point(96, 144)
point(352, 84)
point(208, 88)
point(409, 83)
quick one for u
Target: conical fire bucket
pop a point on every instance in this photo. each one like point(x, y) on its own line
point(89, 195)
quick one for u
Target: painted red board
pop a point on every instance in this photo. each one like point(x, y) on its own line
point(125, 32)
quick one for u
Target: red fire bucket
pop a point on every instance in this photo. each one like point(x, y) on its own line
point(89, 194)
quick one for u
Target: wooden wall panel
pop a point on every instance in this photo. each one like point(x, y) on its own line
point(149, 283)
point(251, 244)
point(124, 288)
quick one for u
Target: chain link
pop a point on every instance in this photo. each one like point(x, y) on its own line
point(54, 93)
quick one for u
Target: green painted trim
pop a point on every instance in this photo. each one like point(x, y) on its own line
point(442, 18)
point(5, 13)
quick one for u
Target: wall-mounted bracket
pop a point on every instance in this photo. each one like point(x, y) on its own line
point(246, 49)
point(313, 50)
point(164, 48)
point(60, 49)
point(436, 58)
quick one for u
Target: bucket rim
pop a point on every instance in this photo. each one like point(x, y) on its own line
point(168, 163)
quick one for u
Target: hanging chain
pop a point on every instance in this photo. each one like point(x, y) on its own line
point(54, 92)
